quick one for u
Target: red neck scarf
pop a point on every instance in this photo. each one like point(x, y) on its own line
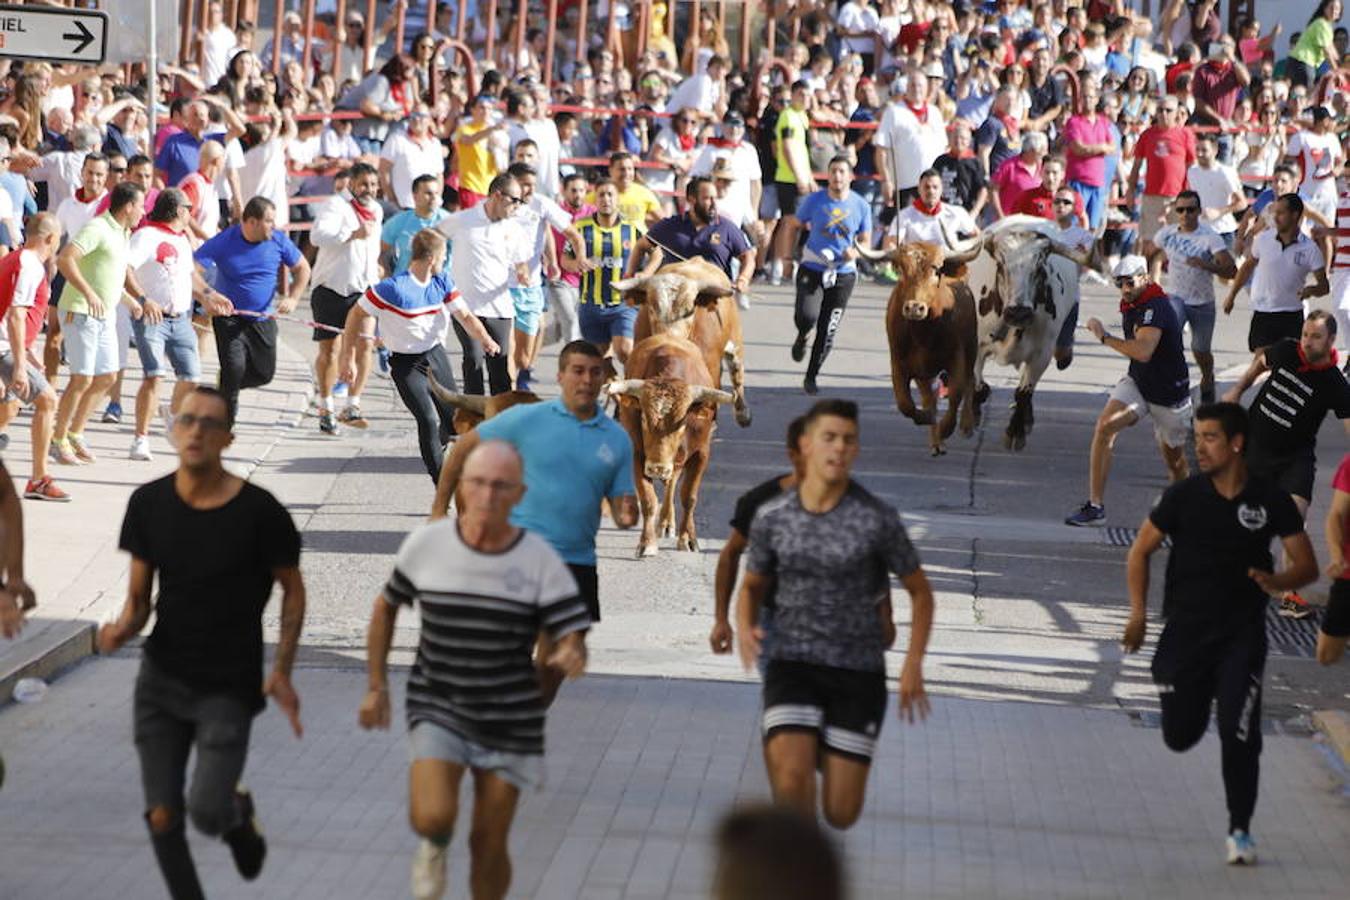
point(1305, 366)
point(365, 215)
point(927, 210)
point(399, 91)
point(82, 197)
point(686, 141)
point(920, 112)
point(159, 226)
point(1151, 291)
point(1010, 125)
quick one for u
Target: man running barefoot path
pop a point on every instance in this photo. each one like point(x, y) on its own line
point(1219, 574)
point(216, 543)
point(486, 589)
point(824, 550)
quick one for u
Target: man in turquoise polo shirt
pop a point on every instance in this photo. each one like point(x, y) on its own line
point(398, 232)
point(575, 456)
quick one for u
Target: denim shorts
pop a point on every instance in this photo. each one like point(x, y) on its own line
point(90, 344)
point(175, 339)
point(529, 303)
point(601, 324)
point(429, 740)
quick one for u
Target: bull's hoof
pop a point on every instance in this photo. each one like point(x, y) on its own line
point(743, 416)
point(1014, 442)
point(667, 531)
point(687, 544)
point(646, 551)
point(967, 429)
point(939, 450)
point(923, 417)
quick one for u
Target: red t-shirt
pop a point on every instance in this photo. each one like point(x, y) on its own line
point(912, 35)
point(1341, 482)
point(1168, 153)
point(1039, 201)
point(10, 267)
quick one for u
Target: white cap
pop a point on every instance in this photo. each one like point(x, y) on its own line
point(1129, 266)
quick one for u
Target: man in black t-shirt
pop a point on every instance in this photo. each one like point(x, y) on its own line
point(1304, 385)
point(1219, 573)
point(1157, 383)
point(963, 181)
point(216, 543)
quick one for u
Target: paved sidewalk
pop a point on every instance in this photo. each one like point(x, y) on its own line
point(987, 799)
point(71, 552)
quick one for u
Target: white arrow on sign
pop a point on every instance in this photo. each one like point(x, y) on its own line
point(51, 33)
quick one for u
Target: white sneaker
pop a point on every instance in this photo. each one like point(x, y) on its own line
point(1241, 849)
point(743, 300)
point(166, 414)
point(428, 871)
point(140, 448)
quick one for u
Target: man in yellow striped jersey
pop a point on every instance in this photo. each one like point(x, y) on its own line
point(606, 321)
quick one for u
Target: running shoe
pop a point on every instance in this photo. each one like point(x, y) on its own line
point(428, 871)
point(382, 360)
point(140, 448)
point(45, 489)
point(809, 385)
point(799, 348)
point(4, 441)
point(887, 275)
point(247, 845)
point(742, 300)
point(524, 379)
point(352, 416)
point(340, 389)
point(1241, 849)
point(1293, 606)
point(327, 424)
point(166, 413)
point(1088, 514)
point(113, 414)
point(80, 448)
point(63, 453)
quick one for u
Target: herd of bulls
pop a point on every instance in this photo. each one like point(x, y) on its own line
point(1004, 295)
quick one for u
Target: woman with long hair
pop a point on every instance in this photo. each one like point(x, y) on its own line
point(1316, 45)
point(383, 97)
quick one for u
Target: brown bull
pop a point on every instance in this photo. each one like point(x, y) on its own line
point(931, 325)
point(667, 404)
point(694, 300)
point(470, 409)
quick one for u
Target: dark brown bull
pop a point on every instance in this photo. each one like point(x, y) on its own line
point(470, 409)
point(694, 300)
point(931, 325)
point(667, 404)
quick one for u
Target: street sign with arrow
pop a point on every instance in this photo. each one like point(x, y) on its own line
point(53, 33)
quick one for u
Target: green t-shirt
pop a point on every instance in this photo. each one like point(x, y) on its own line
point(104, 244)
point(791, 128)
point(1310, 47)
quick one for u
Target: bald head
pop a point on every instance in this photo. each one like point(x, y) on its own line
point(491, 483)
point(43, 235)
point(494, 461)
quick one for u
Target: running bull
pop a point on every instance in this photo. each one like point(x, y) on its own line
point(667, 404)
point(694, 300)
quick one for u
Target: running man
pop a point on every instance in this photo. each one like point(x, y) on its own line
point(605, 319)
point(824, 550)
point(216, 543)
point(1280, 261)
point(836, 219)
point(412, 312)
point(1305, 384)
point(478, 579)
point(1219, 573)
point(1336, 624)
point(1157, 383)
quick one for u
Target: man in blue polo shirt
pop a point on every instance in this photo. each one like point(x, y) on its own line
point(396, 237)
point(700, 231)
point(247, 258)
point(181, 153)
point(575, 456)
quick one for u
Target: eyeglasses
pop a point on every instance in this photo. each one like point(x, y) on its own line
point(186, 421)
point(1063, 201)
point(112, 171)
point(514, 201)
point(493, 485)
point(1186, 209)
point(1124, 280)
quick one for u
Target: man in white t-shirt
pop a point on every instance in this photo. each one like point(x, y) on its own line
point(486, 261)
point(858, 22)
point(1219, 187)
point(740, 204)
point(160, 254)
point(1079, 241)
point(201, 193)
point(1195, 254)
point(1279, 264)
point(75, 211)
point(409, 154)
point(218, 42)
point(24, 296)
point(702, 94)
point(1317, 152)
point(928, 218)
point(911, 135)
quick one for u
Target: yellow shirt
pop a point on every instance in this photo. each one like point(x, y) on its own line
point(635, 203)
point(475, 162)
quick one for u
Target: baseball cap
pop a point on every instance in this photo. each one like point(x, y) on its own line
point(733, 118)
point(1130, 266)
point(1320, 113)
point(899, 84)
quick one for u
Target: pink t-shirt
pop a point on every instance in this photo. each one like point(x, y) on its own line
point(1089, 170)
point(1341, 482)
point(1014, 179)
point(572, 278)
point(150, 197)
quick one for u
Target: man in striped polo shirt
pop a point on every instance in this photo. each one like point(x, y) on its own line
point(486, 589)
point(606, 321)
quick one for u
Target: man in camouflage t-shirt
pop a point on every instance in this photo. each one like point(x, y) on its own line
point(826, 551)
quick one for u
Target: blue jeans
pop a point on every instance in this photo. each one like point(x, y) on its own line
point(1094, 202)
point(174, 339)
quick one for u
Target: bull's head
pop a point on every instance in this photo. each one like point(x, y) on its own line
point(669, 406)
point(675, 292)
point(919, 267)
point(470, 409)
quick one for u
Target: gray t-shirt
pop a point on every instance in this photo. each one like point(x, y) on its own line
point(830, 570)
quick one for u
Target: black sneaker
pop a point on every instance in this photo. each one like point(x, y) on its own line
point(247, 845)
point(809, 385)
point(327, 424)
point(799, 348)
point(1206, 395)
point(1088, 514)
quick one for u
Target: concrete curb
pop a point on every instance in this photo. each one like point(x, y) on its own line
point(1334, 724)
point(60, 645)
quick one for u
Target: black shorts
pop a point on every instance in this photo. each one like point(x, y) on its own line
point(1271, 327)
point(787, 197)
point(845, 707)
point(330, 308)
point(1294, 474)
point(1337, 620)
point(588, 587)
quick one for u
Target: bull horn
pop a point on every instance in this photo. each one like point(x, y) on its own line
point(711, 395)
point(628, 284)
point(868, 253)
point(1076, 256)
point(468, 402)
point(958, 251)
point(628, 386)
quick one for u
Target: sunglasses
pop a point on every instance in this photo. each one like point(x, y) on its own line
point(186, 421)
point(1124, 280)
point(1187, 209)
point(113, 171)
point(1060, 201)
point(514, 201)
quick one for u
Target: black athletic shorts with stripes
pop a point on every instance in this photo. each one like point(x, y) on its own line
point(845, 707)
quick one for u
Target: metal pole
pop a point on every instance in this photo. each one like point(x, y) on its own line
point(548, 47)
point(280, 13)
point(369, 41)
point(152, 84)
point(305, 64)
point(747, 21)
point(459, 19)
point(340, 46)
point(398, 31)
point(581, 31)
point(519, 43)
point(491, 30)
